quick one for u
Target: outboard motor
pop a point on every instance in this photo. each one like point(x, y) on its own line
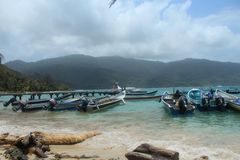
point(205, 104)
point(52, 103)
point(13, 99)
point(83, 104)
point(21, 105)
point(182, 103)
point(220, 103)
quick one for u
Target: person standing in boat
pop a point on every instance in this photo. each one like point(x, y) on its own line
point(177, 94)
point(210, 95)
point(116, 88)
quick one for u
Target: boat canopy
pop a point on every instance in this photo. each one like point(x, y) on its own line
point(195, 94)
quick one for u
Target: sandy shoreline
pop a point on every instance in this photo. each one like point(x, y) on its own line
point(100, 150)
point(82, 149)
point(78, 150)
point(102, 153)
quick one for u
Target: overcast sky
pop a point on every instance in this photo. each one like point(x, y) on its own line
point(162, 30)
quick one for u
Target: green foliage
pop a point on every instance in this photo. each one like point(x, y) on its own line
point(14, 81)
point(85, 72)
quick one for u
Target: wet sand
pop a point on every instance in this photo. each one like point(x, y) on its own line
point(101, 153)
point(82, 151)
point(105, 147)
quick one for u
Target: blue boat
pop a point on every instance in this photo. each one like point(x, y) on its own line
point(235, 104)
point(206, 100)
point(177, 105)
point(233, 101)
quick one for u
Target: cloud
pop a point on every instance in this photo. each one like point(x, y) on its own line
point(150, 29)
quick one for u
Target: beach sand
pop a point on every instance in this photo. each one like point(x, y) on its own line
point(101, 153)
point(78, 150)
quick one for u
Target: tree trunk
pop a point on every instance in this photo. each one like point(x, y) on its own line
point(63, 139)
point(50, 139)
point(24, 145)
point(38, 143)
point(6, 139)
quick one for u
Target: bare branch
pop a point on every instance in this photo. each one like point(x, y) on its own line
point(111, 3)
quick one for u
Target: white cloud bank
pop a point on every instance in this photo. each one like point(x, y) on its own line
point(153, 29)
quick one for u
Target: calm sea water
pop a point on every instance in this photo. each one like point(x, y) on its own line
point(214, 134)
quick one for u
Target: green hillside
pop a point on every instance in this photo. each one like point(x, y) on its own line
point(14, 81)
point(86, 72)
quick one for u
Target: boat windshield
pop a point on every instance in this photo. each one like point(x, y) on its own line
point(196, 94)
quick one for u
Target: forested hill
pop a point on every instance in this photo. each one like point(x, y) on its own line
point(86, 72)
point(13, 81)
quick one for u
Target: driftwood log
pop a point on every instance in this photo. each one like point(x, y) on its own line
point(49, 139)
point(149, 152)
point(38, 143)
point(7, 139)
point(63, 139)
point(25, 145)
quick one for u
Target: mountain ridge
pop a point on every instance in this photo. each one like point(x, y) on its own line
point(87, 72)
